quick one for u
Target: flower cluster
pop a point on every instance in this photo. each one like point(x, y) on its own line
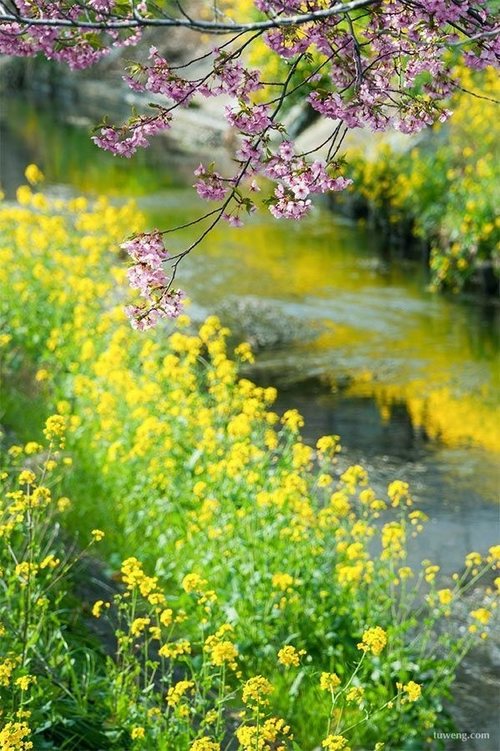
point(148, 276)
point(70, 42)
point(374, 640)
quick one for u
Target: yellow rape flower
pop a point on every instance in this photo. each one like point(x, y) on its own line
point(176, 693)
point(256, 690)
point(335, 743)
point(132, 573)
point(98, 607)
point(33, 174)
point(247, 736)
point(244, 352)
point(329, 681)
point(24, 195)
point(25, 571)
point(32, 447)
point(50, 561)
point(193, 583)
point(6, 668)
point(13, 737)
point(166, 617)
point(137, 733)
point(355, 694)
point(204, 744)
point(282, 581)
point(176, 649)
point(328, 444)
point(42, 375)
point(41, 496)
point(63, 503)
point(412, 690)
point(289, 656)
point(55, 427)
point(430, 573)
point(273, 727)
point(445, 596)
point(138, 625)
point(324, 480)
point(25, 681)
point(221, 650)
point(26, 477)
point(482, 615)
point(293, 420)
point(473, 559)
point(374, 640)
point(397, 491)
point(494, 552)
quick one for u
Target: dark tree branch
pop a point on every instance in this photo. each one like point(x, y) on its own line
point(215, 27)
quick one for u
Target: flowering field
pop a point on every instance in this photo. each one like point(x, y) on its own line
point(179, 570)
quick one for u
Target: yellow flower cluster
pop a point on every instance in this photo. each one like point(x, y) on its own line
point(412, 691)
point(256, 690)
point(13, 737)
point(138, 626)
point(33, 174)
point(292, 420)
point(133, 577)
point(289, 656)
point(398, 491)
point(55, 428)
point(175, 649)
point(204, 744)
point(138, 733)
point(283, 581)
point(220, 649)
point(393, 541)
point(98, 607)
point(482, 615)
point(336, 743)
point(193, 583)
point(25, 681)
point(445, 596)
point(355, 694)
point(266, 737)
point(329, 681)
point(6, 669)
point(374, 640)
point(176, 692)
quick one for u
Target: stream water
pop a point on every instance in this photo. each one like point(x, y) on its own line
point(355, 342)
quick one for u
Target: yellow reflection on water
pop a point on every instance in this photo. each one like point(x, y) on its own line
point(405, 345)
point(455, 420)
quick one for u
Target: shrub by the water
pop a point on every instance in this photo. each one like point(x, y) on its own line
point(446, 188)
point(259, 597)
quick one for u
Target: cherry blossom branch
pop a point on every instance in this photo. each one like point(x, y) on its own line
point(374, 64)
point(144, 318)
point(490, 34)
point(213, 27)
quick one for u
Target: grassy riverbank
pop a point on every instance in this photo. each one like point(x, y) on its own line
point(444, 191)
point(254, 592)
